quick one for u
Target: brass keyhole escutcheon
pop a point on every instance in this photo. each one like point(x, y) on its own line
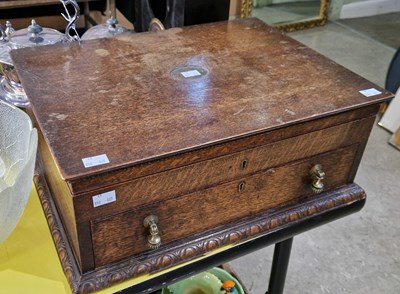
point(154, 239)
point(244, 163)
point(317, 175)
point(241, 187)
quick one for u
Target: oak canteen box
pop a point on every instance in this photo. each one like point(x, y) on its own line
point(158, 148)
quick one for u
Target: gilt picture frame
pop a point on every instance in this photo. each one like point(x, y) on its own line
point(246, 9)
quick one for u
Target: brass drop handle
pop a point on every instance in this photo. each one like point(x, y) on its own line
point(154, 239)
point(317, 175)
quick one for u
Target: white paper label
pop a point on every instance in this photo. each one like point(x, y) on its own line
point(191, 73)
point(95, 160)
point(104, 198)
point(370, 92)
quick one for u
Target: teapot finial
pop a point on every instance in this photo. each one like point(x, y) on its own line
point(9, 29)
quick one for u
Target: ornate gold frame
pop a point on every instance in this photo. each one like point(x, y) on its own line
point(247, 6)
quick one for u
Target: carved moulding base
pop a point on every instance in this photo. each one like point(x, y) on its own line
point(190, 248)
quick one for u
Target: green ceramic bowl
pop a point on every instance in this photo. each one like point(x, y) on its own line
point(202, 283)
point(208, 282)
point(223, 275)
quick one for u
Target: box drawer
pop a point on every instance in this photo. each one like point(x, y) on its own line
point(205, 174)
point(124, 234)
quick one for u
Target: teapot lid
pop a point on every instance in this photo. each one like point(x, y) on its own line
point(109, 29)
point(35, 35)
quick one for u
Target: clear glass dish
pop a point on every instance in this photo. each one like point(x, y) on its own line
point(18, 145)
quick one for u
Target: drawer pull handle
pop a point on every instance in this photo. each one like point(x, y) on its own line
point(154, 239)
point(317, 175)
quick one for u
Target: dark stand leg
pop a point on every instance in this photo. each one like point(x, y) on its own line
point(175, 14)
point(280, 264)
point(143, 15)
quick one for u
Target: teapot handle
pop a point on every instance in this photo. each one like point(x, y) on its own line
point(71, 20)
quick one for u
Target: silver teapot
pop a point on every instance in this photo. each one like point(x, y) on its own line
point(110, 29)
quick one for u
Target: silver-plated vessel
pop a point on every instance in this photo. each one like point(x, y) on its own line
point(110, 29)
point(11, 89)
point(34, 35)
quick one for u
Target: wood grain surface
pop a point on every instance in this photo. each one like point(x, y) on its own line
point(124, 235)
point(117, 96)
point(80, 187)
point(176, 145)
point(265, 224)
point(213, 172)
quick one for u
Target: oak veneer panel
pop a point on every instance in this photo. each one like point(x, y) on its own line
point(190, 178)
point(91, 183)
point(78, 233)
point(59, 187)
point(118, 98)
point(175, 145)
point(123, 235)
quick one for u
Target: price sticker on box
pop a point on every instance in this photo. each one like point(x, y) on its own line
point(95, 160)
point(104, 198)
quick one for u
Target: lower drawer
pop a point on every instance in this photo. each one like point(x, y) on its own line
point(123, 235)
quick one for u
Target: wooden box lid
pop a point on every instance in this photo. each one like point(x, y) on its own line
point(128, 98)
